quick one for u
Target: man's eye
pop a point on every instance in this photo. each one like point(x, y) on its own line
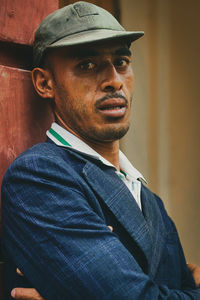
point(87, 65)
point(122, 62)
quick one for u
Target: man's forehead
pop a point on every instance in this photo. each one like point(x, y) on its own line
point(114, 48)
point(88, 50)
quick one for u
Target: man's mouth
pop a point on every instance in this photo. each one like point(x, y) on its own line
point(113, 107)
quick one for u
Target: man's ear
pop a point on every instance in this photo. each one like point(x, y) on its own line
point(43, 83)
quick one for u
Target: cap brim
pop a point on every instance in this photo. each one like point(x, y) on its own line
point(93, 36)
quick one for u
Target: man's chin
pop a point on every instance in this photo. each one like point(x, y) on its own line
point(109, 134)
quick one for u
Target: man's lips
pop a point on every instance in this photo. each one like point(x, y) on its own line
point(113, 107)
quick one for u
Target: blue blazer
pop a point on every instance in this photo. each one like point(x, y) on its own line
point(57, 204)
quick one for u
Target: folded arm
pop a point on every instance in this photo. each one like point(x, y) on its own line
point(32, 294)
point(63, 246)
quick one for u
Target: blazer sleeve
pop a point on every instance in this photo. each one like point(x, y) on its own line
point(62, 245)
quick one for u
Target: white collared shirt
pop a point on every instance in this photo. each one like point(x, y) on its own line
point(128, 174)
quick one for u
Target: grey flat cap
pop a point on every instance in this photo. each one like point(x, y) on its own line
point(75, 24)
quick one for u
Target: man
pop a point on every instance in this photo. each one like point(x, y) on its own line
point(78, 222)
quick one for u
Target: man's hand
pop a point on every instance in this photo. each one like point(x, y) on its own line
point(25, 293)
point(195, 271)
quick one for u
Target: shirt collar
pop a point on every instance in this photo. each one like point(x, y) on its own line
point(62, 137)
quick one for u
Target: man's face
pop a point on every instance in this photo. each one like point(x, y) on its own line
point(93, 89)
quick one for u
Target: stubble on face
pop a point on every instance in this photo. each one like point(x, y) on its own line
point(78, 115)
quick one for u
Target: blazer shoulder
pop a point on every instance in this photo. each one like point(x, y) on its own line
point(46, 151)
point(44, 158)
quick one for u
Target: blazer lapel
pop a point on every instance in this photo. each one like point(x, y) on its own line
point(147, 227)
point(110, 188)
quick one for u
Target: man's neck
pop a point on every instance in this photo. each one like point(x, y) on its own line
point(109, 149)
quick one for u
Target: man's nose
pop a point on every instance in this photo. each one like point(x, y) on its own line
point(111, 79)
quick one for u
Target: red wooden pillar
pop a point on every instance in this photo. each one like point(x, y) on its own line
point(24, 117)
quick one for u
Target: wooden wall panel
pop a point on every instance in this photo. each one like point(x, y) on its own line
point(20, 18)
point(24, 116)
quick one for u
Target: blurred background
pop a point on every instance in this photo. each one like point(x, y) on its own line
point(164, 140)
